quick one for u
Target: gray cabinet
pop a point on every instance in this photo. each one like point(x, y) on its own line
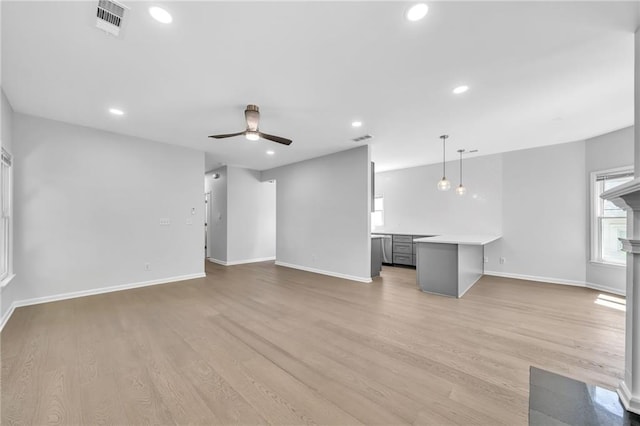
point(403, 250)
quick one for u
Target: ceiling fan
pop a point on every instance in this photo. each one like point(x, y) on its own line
point(252, 116)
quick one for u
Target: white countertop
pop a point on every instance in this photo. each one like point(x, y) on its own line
point(375, 237)
point(402, 233)
point(467, 239)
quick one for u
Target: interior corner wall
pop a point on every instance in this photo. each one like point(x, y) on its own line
point(217, 222)
point(323, 214)
point(544, 201)
point(89, 205)
point(7, 293)
point(413, 205)
point(608, 151)
point(251, 217)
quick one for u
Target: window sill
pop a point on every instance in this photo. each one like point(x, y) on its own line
point(607, 265)
point(6, 281)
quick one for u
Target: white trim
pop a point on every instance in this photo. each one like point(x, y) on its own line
point(561, 281)
point(92, 292)
point(536, 278)
point(7, 280)
point(469, 288)
point(607, 264)
point(7, 315)
point(630, 403)
point(323, 272)
point(240, 262)
point(607, 289)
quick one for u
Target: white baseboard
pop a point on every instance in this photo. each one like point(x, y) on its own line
point(7, 315)
point(92, 292)
point(323, 272)
point(549, 280)
point(240, 262)
point(469, 288)
point(607, 289)
point(630, 402)
point(556, 281)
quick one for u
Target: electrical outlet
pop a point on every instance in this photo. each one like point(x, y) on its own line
point(147, 266)
point(165, 221)
point(503, 260)
point(486, 259)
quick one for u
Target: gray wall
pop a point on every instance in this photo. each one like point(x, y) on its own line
point(251, 216)
point(323, 214)
point(413, 204)
point(7, 293)
point(544, 221)
point(88, 205)
point(243, 216)
point(607, 152)
point(217, 224)
point(538, 199)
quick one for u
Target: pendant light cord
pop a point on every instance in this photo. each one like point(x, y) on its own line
point(444, 138)
point(443, 159)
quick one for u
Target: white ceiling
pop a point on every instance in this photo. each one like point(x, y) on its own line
point(540, 74)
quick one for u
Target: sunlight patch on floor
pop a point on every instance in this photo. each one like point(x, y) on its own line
point(614, 302)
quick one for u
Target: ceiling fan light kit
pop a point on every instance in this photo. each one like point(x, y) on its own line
point(252, 133)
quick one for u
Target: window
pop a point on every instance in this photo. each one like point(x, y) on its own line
point(609, 223)
point(5, 213)
point(377, 217)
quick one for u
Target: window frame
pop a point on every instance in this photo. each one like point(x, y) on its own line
point(379, 212)
point(6, 215)
point(595, 252)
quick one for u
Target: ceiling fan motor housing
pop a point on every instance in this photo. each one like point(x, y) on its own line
point(252, 116)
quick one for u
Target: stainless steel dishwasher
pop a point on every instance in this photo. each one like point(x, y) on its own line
point(387, 251)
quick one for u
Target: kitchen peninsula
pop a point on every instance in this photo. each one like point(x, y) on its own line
point(450, 264)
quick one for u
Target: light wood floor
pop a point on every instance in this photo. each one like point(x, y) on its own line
point(259, 343)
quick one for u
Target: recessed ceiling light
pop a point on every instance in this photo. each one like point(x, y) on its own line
point(417, 12)
point(270, 152)
point(460, 89)
point(116, 111)
point(160, 15)
point(356, 124)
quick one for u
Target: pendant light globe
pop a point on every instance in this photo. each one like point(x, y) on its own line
point(444, 184)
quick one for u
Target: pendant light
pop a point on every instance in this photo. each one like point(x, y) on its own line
point(443, 184)
point(461, 190)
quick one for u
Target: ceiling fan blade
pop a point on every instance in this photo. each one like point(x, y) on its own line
point(228, 135)
point(278, 139)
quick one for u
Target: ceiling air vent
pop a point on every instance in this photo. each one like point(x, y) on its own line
point(110, 16)
point(362, 138)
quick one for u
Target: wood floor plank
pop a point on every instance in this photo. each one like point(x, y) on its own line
point(262, 344)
